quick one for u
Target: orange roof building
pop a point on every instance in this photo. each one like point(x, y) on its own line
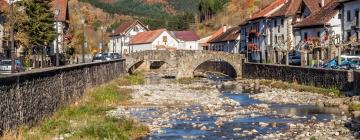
point(160, 39)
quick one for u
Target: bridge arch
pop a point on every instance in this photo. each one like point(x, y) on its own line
point(215, 66)
point(184, 61)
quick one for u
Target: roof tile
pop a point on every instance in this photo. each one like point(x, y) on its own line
point(146, 37)
point(230, 35)
point(61, 5)
point(186, 35)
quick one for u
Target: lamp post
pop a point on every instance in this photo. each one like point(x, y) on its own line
point(57, 11)
point(114, 41)
point(13, 57)
point(102, 38)
point(83, 43)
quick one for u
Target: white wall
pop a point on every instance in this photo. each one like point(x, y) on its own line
point(352, 6)
point(171, 42)
point(60, 32)
point(1, 34)
point(188, 45)
point(121, 42)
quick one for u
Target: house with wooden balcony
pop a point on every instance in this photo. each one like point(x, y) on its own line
point(257, 34)
point(351, 22)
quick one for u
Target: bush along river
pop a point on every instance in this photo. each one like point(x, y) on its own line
point(213, 108)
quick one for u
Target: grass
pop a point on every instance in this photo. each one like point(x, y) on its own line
point(302, 88)
point(87, 119)
point(354, 107)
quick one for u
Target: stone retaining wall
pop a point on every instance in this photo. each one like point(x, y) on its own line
point(28, 97)
point(325, 78)
point(357, 82)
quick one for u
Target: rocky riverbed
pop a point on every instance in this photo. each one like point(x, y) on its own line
point(208, 109)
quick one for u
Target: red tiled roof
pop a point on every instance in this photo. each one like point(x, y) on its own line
point(289, 9)
point(123, 28)
point(186, 35)
point(3, 6)
point(230, 35)
point(217, 33)
point(146, 37)
point(265, 12)
point(320, 18)
point(61, 5)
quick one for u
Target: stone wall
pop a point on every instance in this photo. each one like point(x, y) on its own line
point(357, 82)
point(28, 97)
point(325, 78)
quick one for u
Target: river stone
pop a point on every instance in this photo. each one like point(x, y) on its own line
point(356, 114)
point(262, 124)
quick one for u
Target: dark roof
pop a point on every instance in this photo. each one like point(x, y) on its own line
point(289, 9)
point(186, 35)
point(125, 27)
point(267, 10)
point(229, 35)
point(320, 18)
point(61, 5)
point(146, 37)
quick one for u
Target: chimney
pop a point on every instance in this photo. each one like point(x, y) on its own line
point(322, 3)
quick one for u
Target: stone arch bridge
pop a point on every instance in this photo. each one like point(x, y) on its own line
point(183, 61)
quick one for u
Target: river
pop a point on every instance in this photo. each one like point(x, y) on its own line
point(203, 110)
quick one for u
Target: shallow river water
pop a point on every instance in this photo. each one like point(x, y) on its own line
point(193, 122)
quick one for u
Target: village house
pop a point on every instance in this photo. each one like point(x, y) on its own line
point(3, 7)
point(351, 24)
point(203, 42)
point(227, 41)
point(160, 39)
point(121, 36)
point(321, 31)
point(188, 40)
point(60, 8)
point(283, 36)
point(257, 32)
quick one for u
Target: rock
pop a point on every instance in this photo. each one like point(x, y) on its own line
point(203, 128)
point(337, 133)
point(356, 114)
point(262, 124)
point(313, 118)
point(237, 129)
point(254, 131)
point(291, 126)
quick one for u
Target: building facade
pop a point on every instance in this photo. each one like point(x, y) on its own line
point(188, 40)
point(121, 37)
point(351, 22)
point(229, 41)
point(160, 39)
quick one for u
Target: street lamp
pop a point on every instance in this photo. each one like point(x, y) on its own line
point(114, 43)
point(83, 44)
point(56, 12)
point(102, 28)
point(13, 57)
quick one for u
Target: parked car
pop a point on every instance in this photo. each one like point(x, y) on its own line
point(5, 66)
point(99, 57)
point(112, 56)
point(294, 60)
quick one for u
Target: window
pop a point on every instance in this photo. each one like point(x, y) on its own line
point(305, 36)
point(348, 36)
point(279, 29)
point(165, 39)
point(275, 22)
point(357, 17)
point(282, 22)
point(318, 34)
point(339, 16)
point(276, 39)
point(348, 15)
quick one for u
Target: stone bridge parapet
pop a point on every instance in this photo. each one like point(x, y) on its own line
point(184, 61)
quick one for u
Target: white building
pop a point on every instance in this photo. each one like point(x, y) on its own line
point(258, 34)
point(3, 7)
point(188, 40)
point(351, 20)
point(227, 41)
point(159, 39)
point(60, 8)
point(120, 38)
